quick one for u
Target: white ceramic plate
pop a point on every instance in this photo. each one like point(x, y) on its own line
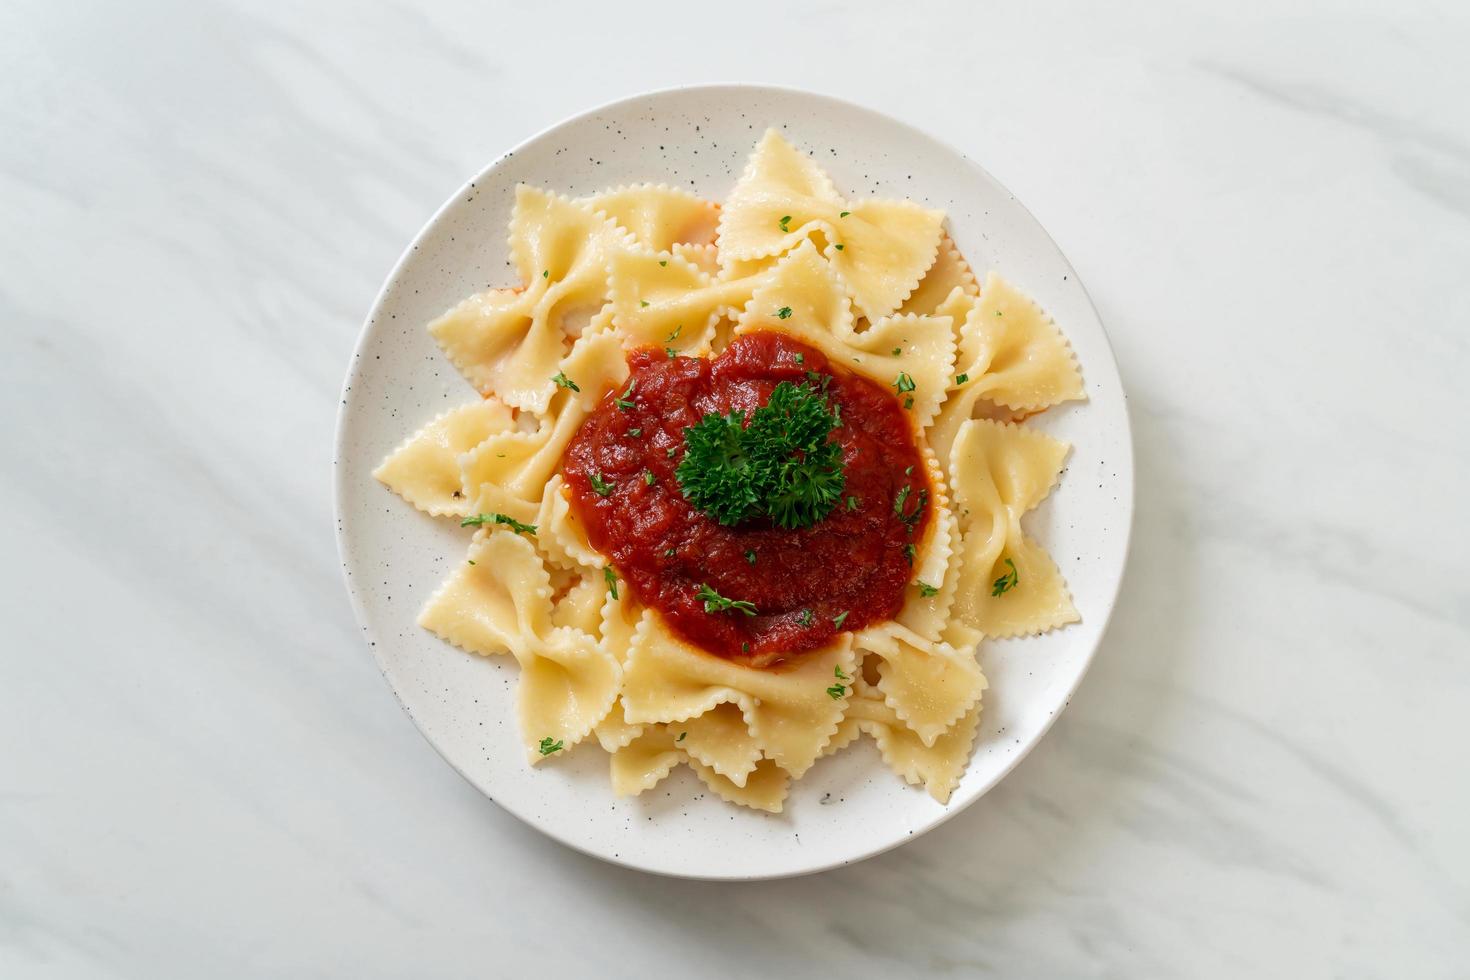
point(849, 806)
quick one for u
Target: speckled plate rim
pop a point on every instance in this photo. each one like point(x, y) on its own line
point(1125, 475)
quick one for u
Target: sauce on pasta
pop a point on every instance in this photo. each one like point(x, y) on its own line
point(806, 584)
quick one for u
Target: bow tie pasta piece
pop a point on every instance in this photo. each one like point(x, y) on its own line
point(999, 471)
point(879, 249)
point(929, 685)
point(499, 604)
point(523, 462)
point(577, 600)
point(508, 342)
point(659, 217)
point(1013, 352)
point(764, 789)
point(503, 603)
point(949, 272)
point(937, 766)
point(936, 565)
point(425, 469)
point(560, 534)
point(721, 740)
point(817, 312)
point(644, 761)
point(665, 301)
point(620, 617)
point(567, 686)
point(790, 712)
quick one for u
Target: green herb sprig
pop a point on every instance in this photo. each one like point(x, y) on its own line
point(510, 522)
point(779, 464)
point(1007, 581)
point(714, 602)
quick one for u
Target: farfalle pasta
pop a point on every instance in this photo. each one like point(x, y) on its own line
point(745, 482)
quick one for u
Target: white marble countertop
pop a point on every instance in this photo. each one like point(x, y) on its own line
point(204, 773)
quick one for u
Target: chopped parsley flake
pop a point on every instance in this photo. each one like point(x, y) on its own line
point(625, 402)
point(785, 220)
point(470, 560)
point(960, 379)
point(671, 352)
point(670, 452)
point(675, 335)
point(668, 552)
point(611, 578)
point(926, 590)
point(783, 313)
point(603, 488)
point(908, 402)
point(663, 261)
point(714, 602)
point(844, 214)
point(837, 673)
point(836, 691)
point(806, 618)
point(800, 358)
point(839, 247)
point(545, 273)
point(681, 736)
point(1007, 581)
point(910, 552)
point(852, 503)
point(561, 379)
point(839, 619)
point(897, 351)
point(549, 745)
point(634, 433)
point(750, 557)
point(648, 477)
point(903, 383)
point(643, 302)
point(515, 525)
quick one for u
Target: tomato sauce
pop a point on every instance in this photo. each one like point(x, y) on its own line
point(857, 561)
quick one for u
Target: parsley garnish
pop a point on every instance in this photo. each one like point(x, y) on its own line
point(926, 590)
point(800, 358)
point(561, 379)
point(783, 313)
point(611, 578)
point(908, 402)
point(714, 602)
point(625, 402)
point(840, 619)
point(900, 508)
point(805, 619)
point(649, 478)
point(634, 433)
point(513, 524)
point(785, 220)
point(603, 488)
point(675, 335)
point(844, 214)
point(545, 273)
point(670, 452)
point(668, 552)
point(837, 672)
point(960, 379)
point(470, 560)
point(852, 503)
point(897, 351)
point(745, 648)
point(750, 557)
point(643, 302)
point(839, 247)
point(903, 383)
point(1007, 581)
point(836, 691)
point(671, 352)
point(663, 261)
point(549, 746)
point(681, 736)
point(779, 465)
point(909, 552)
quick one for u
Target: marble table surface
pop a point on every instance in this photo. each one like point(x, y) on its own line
point(204, 774)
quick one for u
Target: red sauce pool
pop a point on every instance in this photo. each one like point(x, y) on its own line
point(855, 561)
